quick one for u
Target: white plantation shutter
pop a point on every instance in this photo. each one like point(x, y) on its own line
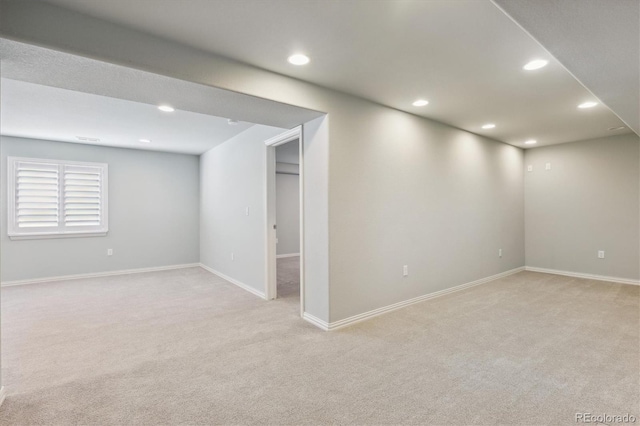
point(82, 196)
point(48, 198)
point(37, 195)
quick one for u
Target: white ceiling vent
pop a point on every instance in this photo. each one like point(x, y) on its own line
point(87, 139)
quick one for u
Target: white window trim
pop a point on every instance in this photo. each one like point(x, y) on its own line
point(15, 233)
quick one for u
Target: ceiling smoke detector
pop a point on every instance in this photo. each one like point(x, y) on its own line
point(232, 122)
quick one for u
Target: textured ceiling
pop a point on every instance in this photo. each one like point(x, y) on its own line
point(44, 112)
point(597, 40)
point(28, 63)
point(464, 56)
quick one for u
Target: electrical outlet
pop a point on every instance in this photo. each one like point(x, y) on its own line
point(600, 254)
point(547, 166)
point(247, 211)
point(499, 252)
point(529, 168)
point(109, 252)
point(405, 270)
point(233, 256)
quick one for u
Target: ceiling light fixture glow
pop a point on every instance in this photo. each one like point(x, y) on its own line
point(489, 126)
point(589, 104)
point(145, 140)
point(531, 142)
point(420, 103)
point(535, 64)
point(166, 108)
point(299, 59)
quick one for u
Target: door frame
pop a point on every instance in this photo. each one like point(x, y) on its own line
point(271, 289)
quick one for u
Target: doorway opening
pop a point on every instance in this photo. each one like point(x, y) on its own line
point(285, 233)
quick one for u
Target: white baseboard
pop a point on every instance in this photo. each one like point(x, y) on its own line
point(98, 274)
point(385, 309)
point(581, 275)
point(279, 256)
point(234, 281)
point(3, 394)
point(316, 321)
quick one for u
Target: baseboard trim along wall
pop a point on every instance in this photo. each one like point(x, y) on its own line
point(3, 394)
point(321, 324)
point(585, 276)
point(385, 309)
point(98, 274)
point(287, 255)
point(242, 285)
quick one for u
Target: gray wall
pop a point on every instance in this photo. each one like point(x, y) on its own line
point(153, 213)
point(410, 191)
point(588, 201)
point(232, 179)
point(288, 213)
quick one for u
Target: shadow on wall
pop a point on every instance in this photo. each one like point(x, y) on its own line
point(288, 198)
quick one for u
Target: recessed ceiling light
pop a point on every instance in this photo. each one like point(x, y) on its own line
point(299, 59)
point(489, 126)
point(535, 64)
point(531, 142)
point(145, 140)
point(166, 108)
point(421, 102)
point(232, 122)
point(589, 104)
point(613, 129)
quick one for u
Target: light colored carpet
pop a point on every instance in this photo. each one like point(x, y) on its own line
point(288, 271)
point(186, 347)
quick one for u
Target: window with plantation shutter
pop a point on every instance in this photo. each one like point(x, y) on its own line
point(50, 198)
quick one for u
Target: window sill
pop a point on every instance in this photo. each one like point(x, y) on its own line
point(50, 236)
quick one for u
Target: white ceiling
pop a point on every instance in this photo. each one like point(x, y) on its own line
point(42, 112)
point(597, 40)
point(71, 96)
point(25, 62)
point(464, 56)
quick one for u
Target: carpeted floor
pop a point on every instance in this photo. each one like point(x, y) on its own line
point(186, 347)
point(288, 271)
